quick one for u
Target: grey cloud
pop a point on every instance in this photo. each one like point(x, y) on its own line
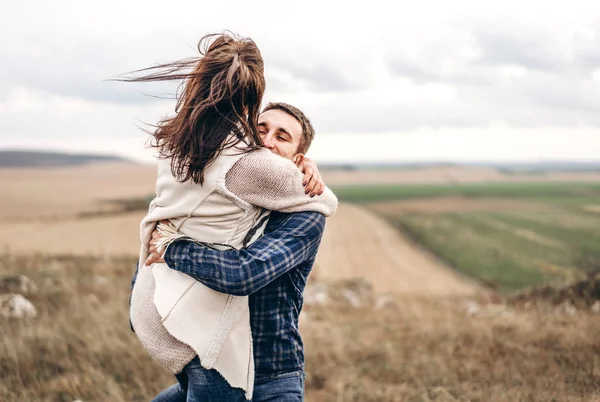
point(588, 60)
point(557, 89)
point(552, 93)
point(470, 115)
point(417, 74)
point(537, 100)
point(391, 118)
point(578, 96)
point(501, 48)
point(319, 76)
point(81, 73)
point(541, 99)
point(85, 72)
point(422, 75)
point(530, 50)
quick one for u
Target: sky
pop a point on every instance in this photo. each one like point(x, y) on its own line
point(380, 81)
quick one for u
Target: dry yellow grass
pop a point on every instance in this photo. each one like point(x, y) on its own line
point(420, 349)
point(430, 350)
point(424, 349)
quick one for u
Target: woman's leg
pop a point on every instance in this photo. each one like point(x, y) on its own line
point(209, 386)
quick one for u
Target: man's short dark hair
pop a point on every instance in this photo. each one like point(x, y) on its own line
point(308, 131)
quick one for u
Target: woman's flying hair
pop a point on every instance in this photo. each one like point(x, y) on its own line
point(221, 94)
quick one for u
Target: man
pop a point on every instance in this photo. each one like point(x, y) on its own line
point(273, 271)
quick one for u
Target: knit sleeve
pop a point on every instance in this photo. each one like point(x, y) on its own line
point(270, 181)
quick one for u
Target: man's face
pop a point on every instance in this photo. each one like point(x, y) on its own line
point(280, 132)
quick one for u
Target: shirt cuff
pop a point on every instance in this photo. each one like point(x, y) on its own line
point(180, 251)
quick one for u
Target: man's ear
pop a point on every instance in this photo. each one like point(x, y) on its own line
point(297, 159)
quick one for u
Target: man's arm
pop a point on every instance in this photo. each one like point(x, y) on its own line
point(243, 272)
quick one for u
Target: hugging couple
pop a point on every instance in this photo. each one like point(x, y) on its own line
point(232, 234)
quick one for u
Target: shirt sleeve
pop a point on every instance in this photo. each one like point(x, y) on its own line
point(272, 182)
point(243, 272)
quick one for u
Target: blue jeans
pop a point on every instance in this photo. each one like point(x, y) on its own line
point(197, 384)
point(288, 387)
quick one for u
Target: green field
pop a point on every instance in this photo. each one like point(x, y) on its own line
point(555, 192)
point(509, 248)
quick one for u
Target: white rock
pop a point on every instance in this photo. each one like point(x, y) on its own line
point(569, 309)
point(316, 295)
point(16, 306)
point(473, 308)
point(100, 280)
point(362, 287)
point(596, 307)
point(383, 301)
point(352, 297)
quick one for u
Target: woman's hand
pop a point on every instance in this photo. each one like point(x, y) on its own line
point(312, 181)
point(154, 255)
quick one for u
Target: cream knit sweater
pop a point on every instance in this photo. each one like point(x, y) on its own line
point(258, 178)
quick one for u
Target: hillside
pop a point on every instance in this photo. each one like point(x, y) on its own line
point(51, 159)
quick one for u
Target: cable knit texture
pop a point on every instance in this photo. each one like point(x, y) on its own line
point(274, 183)
point(249, 183)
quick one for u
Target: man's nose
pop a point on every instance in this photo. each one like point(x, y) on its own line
point(267, 142)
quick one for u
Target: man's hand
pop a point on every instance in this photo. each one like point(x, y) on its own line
point(155, 255)
point(312, 181)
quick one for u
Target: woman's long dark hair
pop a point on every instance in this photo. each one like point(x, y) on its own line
point(221, 95)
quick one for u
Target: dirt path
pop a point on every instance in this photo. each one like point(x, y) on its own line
point(359, 243)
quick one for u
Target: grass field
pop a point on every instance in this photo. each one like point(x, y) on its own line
point(552, 235)
point(510, 249)
point(443, 338)
point(418, 349)
point(548, 192)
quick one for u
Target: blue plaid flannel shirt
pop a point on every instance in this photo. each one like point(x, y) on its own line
point(273, 273)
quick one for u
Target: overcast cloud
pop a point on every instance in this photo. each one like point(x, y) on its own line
point(370, 77)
